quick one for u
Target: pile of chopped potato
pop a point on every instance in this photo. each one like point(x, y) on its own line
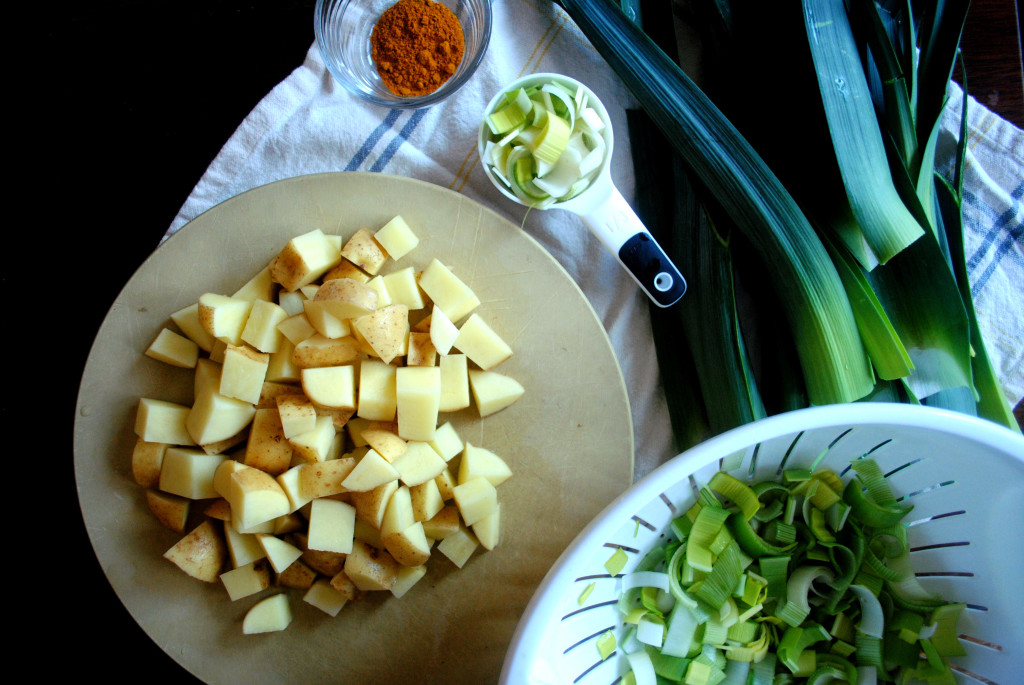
point(316, 443)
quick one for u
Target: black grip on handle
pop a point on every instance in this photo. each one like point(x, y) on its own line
point(653, 269)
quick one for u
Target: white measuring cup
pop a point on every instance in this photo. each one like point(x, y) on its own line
point(602, 207)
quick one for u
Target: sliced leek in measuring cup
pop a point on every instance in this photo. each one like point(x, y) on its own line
point(546, 142)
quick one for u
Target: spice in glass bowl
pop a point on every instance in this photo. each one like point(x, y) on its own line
point(417, 45)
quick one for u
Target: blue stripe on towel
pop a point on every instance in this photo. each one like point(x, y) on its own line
point(1004, 231)
point(397, 141)
point(372, 140)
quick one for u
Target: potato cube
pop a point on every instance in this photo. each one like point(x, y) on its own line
point(318, 350)
point(397, 238)
point(324, 597)
point(246, 580)
point(268, 615)
point(216, 417)
point(291, 301)
point(426, 500)
point(385, 330)
point(346, 269)
point(243, 373)
point(255, 498)
point(459, 546)
point(170, 510)
point(407, 577)
point(331, 526)
point(330, 386)
point(363, 250)
point(408, 547)
point(478, 341)
point(315, 445)
point(493, 391)
point(261, 328)
point(260, 287)
point(421, 350)
point(454, 383)
point(381, 288)
point(419, 463)
point(304, 259)
point(280, 553)
point(322, 321)
point(417, 394)
point(372, 504)
point(297, 328)
point(403, 288)
point(442, 331)
point(187, 320)
point(488, 529)
point(475, 499)
point(447, 291)
point(442, 524)
point(201, 553)
point(267, 448)
point(377, 391)
point(323, 561)
point(163, 422)
point(298, 576)
point(281, 368)
point(298, 415)
point(399, 513)
point(447, 442)
point(479, 462)
point(224, 317)
point(370, 568)
point(290, 482)
point(324, 478)
point(189, 472)
point(147, 458)
point(345, 587)
point(174, 349)
point(446, 484)
point(386, 442)
point(371, 471)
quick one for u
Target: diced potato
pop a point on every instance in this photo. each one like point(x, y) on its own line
point(246, 580)
point(326, 562)
point(454, 383)
point(259, 287)
point(298, 576)
point(408, 547)
point(147, 458)
point(296, 328)
point(370, 568)
point(268, 615)
point(397, 238)
point(346, 269)
point(187, 320)
point(324, 478)
point(322, 321)
point(377, 391)
point(282, 368)
point(218, 509)
point(419, 463)
point(385, 330)
point(399, 513)
point(280, 553)
point(363, 250)
point(442, 331)
point(290, 482)
point(345, 587)
point(417, 394)
point(217, 417)
point(268, 448)
point(478, 341)
point(318, 350)
point(304, 259)
point(291, 301)
point(479, 462)
point(162, 421)
point(170, 510)
point(447, 291)
point(446, 484)
point(488, 529)
point(330, 386)
point(227, 444)
point(224, 317)
point(421, 350)
point(386, 442)
point(442, 524)
point(188, 472)
point(324, 597)
point(426, 500)
point(261, 328)
point(372, 504)
point(447, 442)
point(381, 288)
point(475, 499)
point(201, 553)
point(493, 391)
point(315, 445)
point(243, 373)
point(407, 577)
point(298, 415)
point(459, 546)
point(243, 548)
point(256, 497)
point(174, 349)
point(274, 389)
point(403, 288)
point(331, 526)
point(371, 471)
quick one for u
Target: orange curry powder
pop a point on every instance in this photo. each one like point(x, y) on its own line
point(417, 45)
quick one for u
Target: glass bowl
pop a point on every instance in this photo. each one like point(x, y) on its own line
point(343, 28)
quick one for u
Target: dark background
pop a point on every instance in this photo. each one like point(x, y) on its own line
point(126, 104)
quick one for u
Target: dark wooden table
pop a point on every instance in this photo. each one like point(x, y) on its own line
point(137, 98)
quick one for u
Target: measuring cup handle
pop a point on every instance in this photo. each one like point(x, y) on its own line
point(617, 226)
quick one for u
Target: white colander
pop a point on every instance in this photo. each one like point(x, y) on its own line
point(964, 476)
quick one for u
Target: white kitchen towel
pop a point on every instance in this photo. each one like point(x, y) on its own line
point(310, 124)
